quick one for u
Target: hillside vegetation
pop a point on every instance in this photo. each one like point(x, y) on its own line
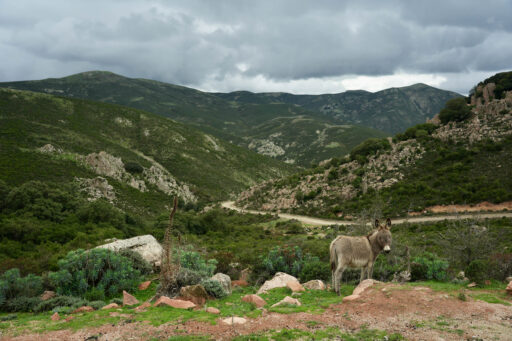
point(295, 129)
point(463, 156)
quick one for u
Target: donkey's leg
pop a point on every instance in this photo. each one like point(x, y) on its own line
point(370, 270)
point(339, 275)
point(363, 270)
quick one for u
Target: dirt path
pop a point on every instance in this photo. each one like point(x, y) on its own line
point(319, 221)
point(417, 313)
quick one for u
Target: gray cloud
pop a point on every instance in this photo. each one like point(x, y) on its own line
point(226, 45)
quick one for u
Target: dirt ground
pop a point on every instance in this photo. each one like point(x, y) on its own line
point(418, 313)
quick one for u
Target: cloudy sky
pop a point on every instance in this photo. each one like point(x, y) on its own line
point(293, 46)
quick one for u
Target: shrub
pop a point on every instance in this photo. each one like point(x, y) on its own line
point(194, 261)
point(188, 277)
point(315, 270)
point(290, 260)
point(214, 288)
point(62, 310)
point(60, 301)
point(429, 267)
point(95, 294)
point(20, 289)
point(97, 304)
point(133, 167)
point(367, 148)
point(21, 303)
point(97, 269)
point(477, 270)
point(455, 110)
point(138, 263)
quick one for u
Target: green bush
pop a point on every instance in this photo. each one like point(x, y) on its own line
point(13, 286)
point(290, 260)
point(194, 261)
point(133, 167)
point(60, 301)
point(138, 263)
point(188, 277)
point(429, 267)
point(315, 270)
point(22, 303)
point(97, 304)
point(367, 148)
point(95, 294)
point(214, 288)
point(477, 270)
point(97, 269)
point(455, 110)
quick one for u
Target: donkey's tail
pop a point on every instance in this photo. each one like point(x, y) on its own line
point(334, 258)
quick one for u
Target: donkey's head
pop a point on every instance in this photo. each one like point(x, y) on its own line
point(383, 237)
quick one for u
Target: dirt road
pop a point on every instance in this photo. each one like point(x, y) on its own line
point(319, 221)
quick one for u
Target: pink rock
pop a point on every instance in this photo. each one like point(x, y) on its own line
point(194, 293)
point(363, 286)
point(143, 306)
point(239, 283)
point(110, 306)
point(212, 310)
point(315, 284)
point(509, 288)
point(144, 285)
point(288, 300)
point(164, 300)
point(129, 299)
point(83, 309)
point(350, 298)
point(47, 295)
point(472, 285)
point(69, 318)
point(254, 299)
point(279, 280)
point(295, 286)
point(55, 317)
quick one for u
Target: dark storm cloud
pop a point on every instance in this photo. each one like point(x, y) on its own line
point(226, 43)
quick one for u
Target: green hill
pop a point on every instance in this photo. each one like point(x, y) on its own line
point(464, 156)
point(246, 124)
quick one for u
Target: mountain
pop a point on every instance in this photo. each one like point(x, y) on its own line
point(390, 110)
point(462, 156)
point(142, 158)
point(299, 129)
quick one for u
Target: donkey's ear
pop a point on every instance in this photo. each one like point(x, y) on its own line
point(388, 223)
point(377, 223)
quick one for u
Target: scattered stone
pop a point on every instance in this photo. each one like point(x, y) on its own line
point(224, 280)
point(295, 286)
point(143, 306)
point(472, 285)
point(83, 309)
point(110, 306)
point(239, 283)
point(212, 310)
point(280, 280)
point(47, 295)
point(288, 300)
point(55, 317)
point(509, 288)
point(234, 320)
point(254, 299)
point(129, 299)
point(509, 279)
point(363, 286)
point(49, 148)
point(351, 298)
point(179, 304)
point(194, 293)
point(314, 284)
point(147, 246)
point(144, 285)
point(69, 318)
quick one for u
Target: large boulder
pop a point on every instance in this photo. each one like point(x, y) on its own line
point(179, 304)
point(254, 299)
point(224, 280)
point(48, 295)
point(287, 301)
point(295, 286)
point(280, 280)
point(147, 246)
point(314, 284)
point(194, 293)
point(129, 299)
point(363, 286)
point(509, 288)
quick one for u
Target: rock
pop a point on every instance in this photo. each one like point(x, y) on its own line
point(194, 293)
point(287, 300)
point(47, 295)
point(239, 283)
point(363, 286)
point(144, 285)
point(487, 282)
point(245, 274)
point(129, 299)
point(350, 298)
point(279, 281)
point(295, 286)
point(224, 280)
point(117, 314)
point(461, 275)
point(509, 279)
point(147, 246)
point(296, 294)
point(315, 284)
point(212, 310)
point(254, 299)
point(143, 306)
point(83, 309)
point(509, 288)
point(110, 306)
point(179, 304)
point(69, 318)
point(55, 317)
point(472, 285)
point(234, 320)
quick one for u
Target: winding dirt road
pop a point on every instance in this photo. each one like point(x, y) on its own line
point(319, 221)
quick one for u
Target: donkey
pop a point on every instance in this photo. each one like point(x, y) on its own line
point(358, 252)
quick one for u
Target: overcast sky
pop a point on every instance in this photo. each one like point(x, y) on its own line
point(293, 46)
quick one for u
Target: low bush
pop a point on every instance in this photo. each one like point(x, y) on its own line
point(22, 303)
point(19, 293)
point(315, 270)
point(188, 277)
point(133, 167)
point(429, 267)
point(477, 270)
point(97, 304)
point(214, 288)
point(194, 261)
point(60, 301)
point(455, 110)
point(138, 263)
point(369, 147)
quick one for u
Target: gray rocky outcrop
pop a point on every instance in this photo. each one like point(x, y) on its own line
point(147, 246)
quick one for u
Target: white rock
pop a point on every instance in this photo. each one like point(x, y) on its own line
point(314, 284)
point(147, 246)
point(234, 320)
point(279, 281)
point(288, 300)
point(224, 280)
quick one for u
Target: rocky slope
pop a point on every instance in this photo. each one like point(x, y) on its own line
point(462, 162)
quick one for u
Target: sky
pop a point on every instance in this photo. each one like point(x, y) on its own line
point(292, 46)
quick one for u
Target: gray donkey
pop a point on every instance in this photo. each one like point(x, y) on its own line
point(358, 252)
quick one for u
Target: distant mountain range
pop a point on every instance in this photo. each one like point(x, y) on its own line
point(298, 129)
